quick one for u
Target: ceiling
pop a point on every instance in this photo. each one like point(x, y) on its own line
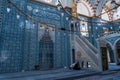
point(103, 8)
point(96, 7)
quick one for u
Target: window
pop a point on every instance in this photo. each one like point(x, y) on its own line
point(84, 28)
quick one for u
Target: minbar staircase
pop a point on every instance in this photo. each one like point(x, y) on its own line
point(88, 50)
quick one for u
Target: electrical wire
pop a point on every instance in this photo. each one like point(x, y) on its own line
point(36, 20)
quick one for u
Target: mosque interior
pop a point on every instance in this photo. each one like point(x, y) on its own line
point(53, 34)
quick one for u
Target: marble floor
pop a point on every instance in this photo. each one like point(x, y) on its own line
point(65, 74)
point(112, 74)
point(47, 75)
point(109, 75)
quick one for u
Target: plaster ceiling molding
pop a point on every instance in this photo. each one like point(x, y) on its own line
point(116, 14)
point(91, 6)
point(109, 13)
point(100, 7)
point(95, 6)
point(108, 4)
point(105, 16)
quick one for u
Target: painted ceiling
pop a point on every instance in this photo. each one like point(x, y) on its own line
point(99, 8)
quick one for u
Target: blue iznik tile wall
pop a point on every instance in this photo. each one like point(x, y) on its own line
point(11, 42)
point(113, 39)
point(95, 29)
point(20, 46)
point(19, 43)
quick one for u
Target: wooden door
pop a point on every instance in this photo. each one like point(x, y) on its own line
point(104, 58)
point(118, 53)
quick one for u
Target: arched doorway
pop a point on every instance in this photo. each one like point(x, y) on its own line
point(108, 56)
point(110, 53)
point(104, 58)
point(117, 47)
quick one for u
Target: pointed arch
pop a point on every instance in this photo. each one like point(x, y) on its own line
point(87, 6)
point(109, 44)
point(116, 42)
point(107, 16)
point(100, 7)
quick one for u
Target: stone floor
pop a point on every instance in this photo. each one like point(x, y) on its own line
point(109, 75)
point(59, 74)
point(65, 74)
point(112, 74)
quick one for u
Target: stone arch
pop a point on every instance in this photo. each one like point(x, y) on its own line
point(110, 53)
point(116, 42)
point(117, 50)
point(101, 4)
point(108, 14)
point(107, 42)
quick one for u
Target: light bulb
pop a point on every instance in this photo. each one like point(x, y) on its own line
point(96, 27)
point(18, 16)
point(8, 9)
point(62, 14)
point(33, 26)
point(111, 27)
point(26, 20)
point(36, 10)
point(67, 18)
